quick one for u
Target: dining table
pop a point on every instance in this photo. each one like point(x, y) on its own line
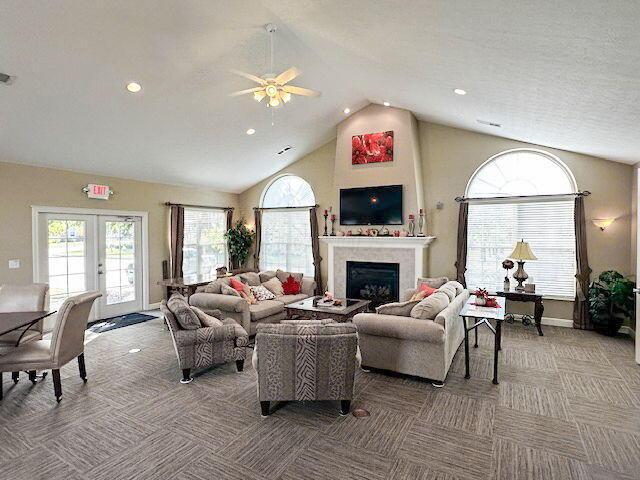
point(15, 321)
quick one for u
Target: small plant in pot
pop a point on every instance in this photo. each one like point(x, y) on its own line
point(611, 302)
point(240, 239)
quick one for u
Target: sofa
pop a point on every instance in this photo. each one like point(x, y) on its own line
point(413, 346)
point(301, 360)
point(210, 297)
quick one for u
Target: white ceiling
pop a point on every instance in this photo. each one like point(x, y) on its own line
point(562, 74)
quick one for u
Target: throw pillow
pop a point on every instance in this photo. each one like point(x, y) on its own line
point(274, 286)
point(401, 309)
point(226, 290)
point(419, 295)
point(236, 285)
point(213, 287)
point(431, 306)
point(457, 285)
point(284, 276)
point(248, 297)
point(205, 319)
point(266, 276)
point(291, 286)
point(450, 290)
point(250, 278)
point(186, 317)
point(433, 282)
point(262, 293)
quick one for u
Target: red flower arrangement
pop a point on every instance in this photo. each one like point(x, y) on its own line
point(372, 148)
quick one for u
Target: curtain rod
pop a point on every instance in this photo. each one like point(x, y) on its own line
point(286, 208)
point(169, 204)
point(585, 193)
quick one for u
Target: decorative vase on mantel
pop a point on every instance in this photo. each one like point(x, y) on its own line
point(421, 223)
point(412, 226)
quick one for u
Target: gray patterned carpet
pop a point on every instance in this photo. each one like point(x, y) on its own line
point(567, 407)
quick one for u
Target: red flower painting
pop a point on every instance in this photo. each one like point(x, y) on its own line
point(372, 148)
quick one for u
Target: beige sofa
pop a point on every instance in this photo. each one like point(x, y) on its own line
point(401, 343)
point(210, 298)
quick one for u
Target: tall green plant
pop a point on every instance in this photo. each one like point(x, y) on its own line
point(239, 238)
point(611, 302)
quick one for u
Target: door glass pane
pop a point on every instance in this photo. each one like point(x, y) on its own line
point(66, 247)
point(120, 261)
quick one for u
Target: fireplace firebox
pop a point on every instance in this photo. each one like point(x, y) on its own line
point(375, 281)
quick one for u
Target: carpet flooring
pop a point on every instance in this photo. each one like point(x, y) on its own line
point(567, 407)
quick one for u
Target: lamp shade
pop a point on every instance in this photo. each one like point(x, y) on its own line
point(522, 251)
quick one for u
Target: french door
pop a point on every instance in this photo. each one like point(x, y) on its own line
point(79, 253)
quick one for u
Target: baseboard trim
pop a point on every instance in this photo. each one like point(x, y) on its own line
point(552, 322)
point(154, 306)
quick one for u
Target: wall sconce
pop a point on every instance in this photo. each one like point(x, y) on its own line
point(602, 223)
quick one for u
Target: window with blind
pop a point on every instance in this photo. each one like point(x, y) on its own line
point(205, 247)
point(496, 224)
point(286, 233)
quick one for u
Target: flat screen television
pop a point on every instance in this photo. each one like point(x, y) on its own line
point(371, 205)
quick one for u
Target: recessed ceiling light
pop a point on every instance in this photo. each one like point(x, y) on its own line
point(386, 104)
point(134, 87)
point(251, 131)
point(459, 91)
point(134, 350)
point(347, 111)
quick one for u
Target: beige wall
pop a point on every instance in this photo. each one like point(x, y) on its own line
point(23, 186)
point(449, 158)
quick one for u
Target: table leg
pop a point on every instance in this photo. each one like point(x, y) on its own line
point(496, 349)
point(537, 315)
point(475, 345)
point(466, 348)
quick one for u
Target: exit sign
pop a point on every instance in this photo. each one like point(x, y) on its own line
point(101, 192)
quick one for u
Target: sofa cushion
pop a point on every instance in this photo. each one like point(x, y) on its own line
point(251, 278)
point(261, 292)
point(450, 290)
point(401, 309)
point(264, 309)
point(434, 282)
point(287, 299)
point(213, 287)
point(182, 312)
point(274, 286)
point(227, 290)
point(266, 275)
point(283, 276)
point(431, 306)
point(205, 319)
point(457, 285)
point(405, 328)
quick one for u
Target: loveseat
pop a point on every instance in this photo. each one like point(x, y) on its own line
point(391, 339)
point(210, 298)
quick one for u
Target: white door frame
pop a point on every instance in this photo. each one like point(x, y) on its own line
point(38, 209)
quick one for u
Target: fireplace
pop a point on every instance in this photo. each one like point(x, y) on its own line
point(375, 281)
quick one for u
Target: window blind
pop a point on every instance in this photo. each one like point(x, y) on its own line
point(286, 241)
point(494, 229)
point(204, 248)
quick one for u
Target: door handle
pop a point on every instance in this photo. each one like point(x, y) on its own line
point(636, 290)
point(100, 272)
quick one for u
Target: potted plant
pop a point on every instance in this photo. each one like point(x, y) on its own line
point(611, 302)
point(239, 238)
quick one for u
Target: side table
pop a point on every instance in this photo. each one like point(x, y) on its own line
point(538, 308)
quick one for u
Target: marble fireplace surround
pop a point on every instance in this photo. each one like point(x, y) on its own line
point(408, 252)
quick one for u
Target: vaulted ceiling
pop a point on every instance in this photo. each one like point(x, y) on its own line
point(561, 74)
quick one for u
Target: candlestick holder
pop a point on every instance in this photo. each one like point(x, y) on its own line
point(411, 226)
point(333, 224)
point(325, 215)
point(421, 224)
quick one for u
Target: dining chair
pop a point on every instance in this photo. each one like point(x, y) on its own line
point(66, 343)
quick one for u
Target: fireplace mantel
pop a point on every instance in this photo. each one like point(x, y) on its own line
point(408, 252)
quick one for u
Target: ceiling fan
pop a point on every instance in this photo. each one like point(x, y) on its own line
point(274, 87)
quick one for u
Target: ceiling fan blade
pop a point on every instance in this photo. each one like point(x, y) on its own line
point(250, 77)
point(300, 91)
point(248, 90)
point(287, 76)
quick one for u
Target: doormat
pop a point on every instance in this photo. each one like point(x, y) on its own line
point(112, 323)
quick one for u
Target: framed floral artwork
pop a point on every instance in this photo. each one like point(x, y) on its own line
point(372, 148)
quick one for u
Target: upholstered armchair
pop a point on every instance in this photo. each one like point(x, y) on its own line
point(206, 346)
point(306, 360)
point(23, 298)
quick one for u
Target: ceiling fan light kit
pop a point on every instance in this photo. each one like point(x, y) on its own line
point(273, 87)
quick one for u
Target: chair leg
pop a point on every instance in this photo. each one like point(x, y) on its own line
point(186, 376)
point(57, 386)
point(345, 407)
point(15, 376)
point(82, 368)
point(32, 376)
point(437, 383)
point(1, 393)
point(240, 365)
point(264, 409)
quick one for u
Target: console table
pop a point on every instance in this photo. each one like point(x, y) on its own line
point(534, 298)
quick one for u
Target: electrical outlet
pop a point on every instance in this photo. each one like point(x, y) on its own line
point(15, 263)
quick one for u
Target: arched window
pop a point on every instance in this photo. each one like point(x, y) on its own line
point(510, 205)
point(286, 228)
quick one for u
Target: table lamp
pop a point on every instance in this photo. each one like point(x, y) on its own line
point(521, 252)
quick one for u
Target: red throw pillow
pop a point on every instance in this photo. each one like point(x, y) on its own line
point(426, 288)
point(236, 285)
point(291, 287)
